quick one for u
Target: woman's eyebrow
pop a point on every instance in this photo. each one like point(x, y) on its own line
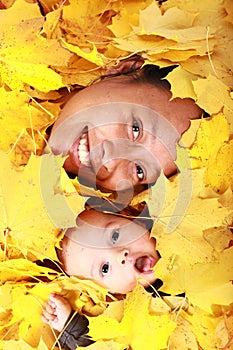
point(152, 176)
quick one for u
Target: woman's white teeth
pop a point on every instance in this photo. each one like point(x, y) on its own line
point(83, 150)
point(83, 142)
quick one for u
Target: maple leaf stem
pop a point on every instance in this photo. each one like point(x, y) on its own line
point(43, 108)
point(99, 18)
point(16, 141)
point(32, 130)
point(10, 330)
point(44, 139)
point(208, 52)
point(228, 344)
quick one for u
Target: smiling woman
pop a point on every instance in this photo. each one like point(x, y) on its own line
point(120, 132)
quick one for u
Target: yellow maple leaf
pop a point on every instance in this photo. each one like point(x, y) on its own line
point(21, 345)
point(205, 284)
point(181, 83)
point(213, 96)
point(204, 326)
point(22, 148)
point(51, 26)
point(197, 328)
point(93, 56)
point(182, 242)
point(183, 338)
point(25, 316)
point(25, 217)
point(228, 7)
point(214, 153)
point(127, 16)
point(22, 306)
point(153, 331)
point(20, 269)
point(207, 145)
point(85, 23)
point(173, 36)
point(20, 11)
point(26, 57)
point(173, 24)
point(22, 138)
point(84, 295)
point(181, 34)
point(106, 345)
point(15, 74)
point(219, 173)
point(60, 199)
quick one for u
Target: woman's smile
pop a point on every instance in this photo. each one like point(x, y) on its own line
point(132, 133)
point(124, 152)
point(80, 152)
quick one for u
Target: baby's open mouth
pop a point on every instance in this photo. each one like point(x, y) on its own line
point(144, 264)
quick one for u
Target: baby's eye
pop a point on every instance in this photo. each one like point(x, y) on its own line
point(140, 172)
point(105, 268)
point(136, 130)
point(115, 236)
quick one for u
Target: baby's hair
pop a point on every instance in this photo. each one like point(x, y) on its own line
point(139, 214)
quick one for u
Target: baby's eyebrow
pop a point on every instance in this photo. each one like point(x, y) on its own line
point(92, 270)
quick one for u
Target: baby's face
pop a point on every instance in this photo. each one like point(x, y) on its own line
point(117, 251)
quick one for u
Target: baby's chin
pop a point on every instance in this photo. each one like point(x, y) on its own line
point(147, 283)
point(126, 290)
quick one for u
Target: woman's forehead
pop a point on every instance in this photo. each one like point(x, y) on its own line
point(113, 113)
point(114, 89)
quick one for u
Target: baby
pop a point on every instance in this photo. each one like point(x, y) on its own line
point(110, 249)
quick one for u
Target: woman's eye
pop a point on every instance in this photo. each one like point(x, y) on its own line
point(105, 269)
point(115, 236)
point(136, 130)
point(140, 172)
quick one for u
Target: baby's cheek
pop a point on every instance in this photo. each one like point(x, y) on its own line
point(148, 281)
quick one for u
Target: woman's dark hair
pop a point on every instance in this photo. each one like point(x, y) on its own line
point(150, 73)
point(139, 214)
point(155, 75)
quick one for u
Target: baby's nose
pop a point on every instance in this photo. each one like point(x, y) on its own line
point(124, 257)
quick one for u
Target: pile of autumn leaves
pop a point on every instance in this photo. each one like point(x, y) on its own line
point(41, 58)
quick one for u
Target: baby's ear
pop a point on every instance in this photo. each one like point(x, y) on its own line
point(126, 65)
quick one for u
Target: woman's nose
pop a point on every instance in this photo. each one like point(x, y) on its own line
point(108, 169)
point(116, 149)
point(109, 149)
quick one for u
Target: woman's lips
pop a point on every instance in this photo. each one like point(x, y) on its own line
point(144, 264)
point(83, 150)
point(79, 153)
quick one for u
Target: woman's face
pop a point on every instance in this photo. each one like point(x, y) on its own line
point(111, 250)
point(119, 134)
